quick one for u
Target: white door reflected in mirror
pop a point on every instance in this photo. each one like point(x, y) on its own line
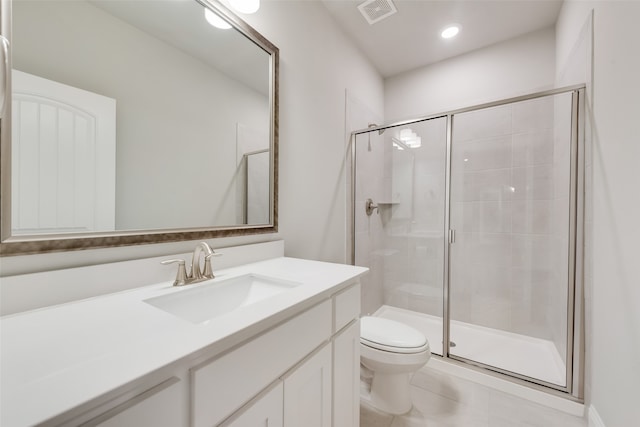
point(63, 158)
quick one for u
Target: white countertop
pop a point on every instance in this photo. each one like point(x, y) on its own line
point(58, 358)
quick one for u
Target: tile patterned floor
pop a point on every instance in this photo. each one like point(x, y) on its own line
point(441, 400)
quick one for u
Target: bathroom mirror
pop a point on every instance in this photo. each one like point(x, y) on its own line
point(131, 122)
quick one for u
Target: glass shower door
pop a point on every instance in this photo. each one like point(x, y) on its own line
point(509, 279)
point(400, 173)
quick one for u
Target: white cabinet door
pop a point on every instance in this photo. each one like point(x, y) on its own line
point(346, 377)
point(266, 411)
point(307, 392)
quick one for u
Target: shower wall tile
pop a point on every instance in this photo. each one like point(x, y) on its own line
point(363, 222)
point(533, 115)
point(372, 297)
point(482, 124)
point(362, 244)
point(533, 182)
point(533, 148)
point(396, 299)
point(480, 294)
point(426, 304)
point(431, 218)
point(491, 312)
point(461, 310)
point(528, 292)
point(485, 248)
point(487, 217)
point(424, 270)
point(491, 281)
point(369, 167)
point(494, 184)
point(533, 216)
point(560, 215)
point(532, 251)
point(562, 178)
point(428, 203)
point(429, 159)
point(483, 154)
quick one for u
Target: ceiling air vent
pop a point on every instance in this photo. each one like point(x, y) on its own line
point(376, 10)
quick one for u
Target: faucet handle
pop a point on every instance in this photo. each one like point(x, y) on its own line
point(208, 271)
point(181, 276)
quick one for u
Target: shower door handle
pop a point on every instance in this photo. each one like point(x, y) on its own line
point(452, 236)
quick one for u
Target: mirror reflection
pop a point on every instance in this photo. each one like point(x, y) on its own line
point(136, 115)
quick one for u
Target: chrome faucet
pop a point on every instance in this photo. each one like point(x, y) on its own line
point(196, 274)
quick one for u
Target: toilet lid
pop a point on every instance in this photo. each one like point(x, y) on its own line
point(389, 335)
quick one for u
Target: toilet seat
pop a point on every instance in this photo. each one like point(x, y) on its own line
point(389, 335)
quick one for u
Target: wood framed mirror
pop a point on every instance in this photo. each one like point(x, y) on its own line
point(131, 122)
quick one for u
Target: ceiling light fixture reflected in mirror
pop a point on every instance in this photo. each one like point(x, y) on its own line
point(245, 6)
point(215, 20)
point(450, 31)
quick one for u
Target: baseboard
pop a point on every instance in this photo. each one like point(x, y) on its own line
point(594, 418)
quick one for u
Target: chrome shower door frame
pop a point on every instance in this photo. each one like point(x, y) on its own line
point(574, 386)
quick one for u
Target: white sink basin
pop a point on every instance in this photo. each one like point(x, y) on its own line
point(206, 301)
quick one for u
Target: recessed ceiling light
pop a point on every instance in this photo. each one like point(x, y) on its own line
point(450, 31)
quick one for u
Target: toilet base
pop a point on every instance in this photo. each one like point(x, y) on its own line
point(391, 393)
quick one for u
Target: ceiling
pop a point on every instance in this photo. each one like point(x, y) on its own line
point(411, 39)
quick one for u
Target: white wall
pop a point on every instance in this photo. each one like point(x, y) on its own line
point(317, 64)
point(612, 310)
point(515, 67)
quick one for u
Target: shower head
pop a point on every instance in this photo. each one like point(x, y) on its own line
point(375, 125)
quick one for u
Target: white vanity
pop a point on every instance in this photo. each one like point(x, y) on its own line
point(270, 338)
point(132, 359)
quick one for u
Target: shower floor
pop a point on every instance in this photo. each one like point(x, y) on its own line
point(533, 357)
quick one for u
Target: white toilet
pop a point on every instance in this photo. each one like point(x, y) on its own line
point(393, 352)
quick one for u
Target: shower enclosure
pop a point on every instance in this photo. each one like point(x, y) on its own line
point(470, 222)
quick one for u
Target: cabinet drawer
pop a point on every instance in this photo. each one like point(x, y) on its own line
point(347, 306)
point(223, 385)
point(159, 406)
